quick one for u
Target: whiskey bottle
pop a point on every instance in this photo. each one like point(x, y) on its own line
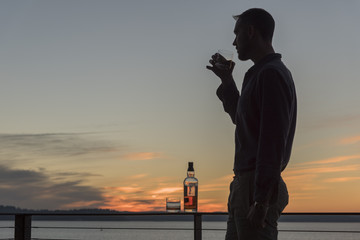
point(190, 190)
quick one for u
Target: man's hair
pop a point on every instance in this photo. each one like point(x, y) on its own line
point(260, 19)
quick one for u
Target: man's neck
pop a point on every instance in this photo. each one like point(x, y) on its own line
point(261, 53)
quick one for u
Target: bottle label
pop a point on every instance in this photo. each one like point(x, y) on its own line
point(191, 191)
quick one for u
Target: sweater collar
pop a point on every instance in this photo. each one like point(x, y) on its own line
point(264, 60)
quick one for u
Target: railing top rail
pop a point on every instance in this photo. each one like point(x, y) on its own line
point(163, 213)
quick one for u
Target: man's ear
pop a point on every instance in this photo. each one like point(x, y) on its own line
point(251, 31)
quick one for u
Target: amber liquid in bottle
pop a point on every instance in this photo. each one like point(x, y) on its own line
point(190, 190)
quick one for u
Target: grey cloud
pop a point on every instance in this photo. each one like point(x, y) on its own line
point(59, 144)
point(18, 177)
point(37, 190)
point(76, 174)
point(65, 176)
point(61, 148)
point(55, 189)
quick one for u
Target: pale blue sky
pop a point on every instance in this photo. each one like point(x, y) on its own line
point(129, 77)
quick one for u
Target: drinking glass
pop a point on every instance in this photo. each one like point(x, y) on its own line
point(228, 56)
point(173, 204)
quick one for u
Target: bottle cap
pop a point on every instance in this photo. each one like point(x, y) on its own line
point(191, 166)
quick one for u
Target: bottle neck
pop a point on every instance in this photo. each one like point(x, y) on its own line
point(191, 174)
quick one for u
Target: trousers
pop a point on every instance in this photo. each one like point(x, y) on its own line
point(239, 203)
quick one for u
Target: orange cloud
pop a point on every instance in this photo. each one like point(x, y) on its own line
point(301, 186)
point(228, 178)
point(153, 200)
point(213, 207)
point(125, 189)
point(350, 140)
point(308, 182)
point(167, 190)
point(143, 156)
point(129, 189)
point(133, 204)
point(138, 176)
point(219, 184)
point(301, 196)
point(348, 168)
point(214, 187)
point(301, 170)
point(342, 179)
point(333, 160)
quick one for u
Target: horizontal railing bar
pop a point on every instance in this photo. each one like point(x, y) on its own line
point(104, 214)
point(302, 231)
point(283, 230)
point(188, 229)
point(320, 231)
point(322, 213)
point(113, 228)
point(167, 214)
point(280, 230)
point(48, 239)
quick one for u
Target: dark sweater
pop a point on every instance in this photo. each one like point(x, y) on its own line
point(265, 119)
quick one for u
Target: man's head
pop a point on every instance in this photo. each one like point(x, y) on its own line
point(254, 30)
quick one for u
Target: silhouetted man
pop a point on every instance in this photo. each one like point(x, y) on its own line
point(265, 118)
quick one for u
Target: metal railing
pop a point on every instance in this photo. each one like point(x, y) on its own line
point(22, 229)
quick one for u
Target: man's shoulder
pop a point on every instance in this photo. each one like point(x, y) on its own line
point(275, 66)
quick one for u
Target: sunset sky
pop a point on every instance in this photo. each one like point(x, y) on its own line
point(104, 102)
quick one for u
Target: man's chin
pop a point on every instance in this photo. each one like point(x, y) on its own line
point(242, 57)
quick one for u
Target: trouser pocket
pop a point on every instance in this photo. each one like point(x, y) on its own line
point(277, 208)
point(283, 198)
point(241, 192)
